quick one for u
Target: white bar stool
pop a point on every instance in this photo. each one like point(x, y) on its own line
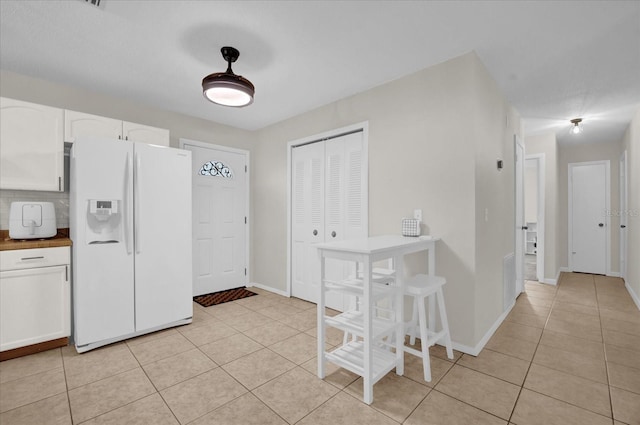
point(421, 287)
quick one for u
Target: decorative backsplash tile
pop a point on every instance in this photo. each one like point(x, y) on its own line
point(60, 201)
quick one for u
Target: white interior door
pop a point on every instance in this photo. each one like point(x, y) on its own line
point(624, 199)
point(520, 230)
point(220, 190)
point(588, 204)
point(329, 203)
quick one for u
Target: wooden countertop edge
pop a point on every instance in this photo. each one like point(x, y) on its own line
point(60, 239)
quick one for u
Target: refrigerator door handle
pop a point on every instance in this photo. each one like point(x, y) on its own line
point(136, 196)
point(128, 185)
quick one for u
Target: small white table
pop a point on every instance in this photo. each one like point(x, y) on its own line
point(362, 357)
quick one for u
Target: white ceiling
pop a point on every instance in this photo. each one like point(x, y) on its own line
point(553, 60)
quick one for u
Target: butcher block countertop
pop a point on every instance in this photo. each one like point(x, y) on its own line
point(61, 239)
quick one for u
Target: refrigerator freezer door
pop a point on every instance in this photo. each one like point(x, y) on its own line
point(163, 289)
point(103, 261)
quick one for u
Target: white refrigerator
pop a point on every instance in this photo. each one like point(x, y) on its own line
point(130, 224)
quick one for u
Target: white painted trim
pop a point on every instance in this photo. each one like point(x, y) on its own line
point(474, 351)
point(613, 274)
point(634, 296)
point(607, 218)
point(519, 253)
point(557, 279)
point(182, 142)
point(364, 126)
point(624, 205)
point(268, 288)
point(540, 169)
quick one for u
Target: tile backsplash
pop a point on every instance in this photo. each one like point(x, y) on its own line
point(60, 201)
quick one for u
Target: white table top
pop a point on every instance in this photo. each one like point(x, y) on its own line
point(378, 244)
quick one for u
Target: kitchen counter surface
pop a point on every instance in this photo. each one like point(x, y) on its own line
point(61, 239)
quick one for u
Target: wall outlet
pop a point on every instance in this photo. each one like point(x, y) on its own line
point(417, 214)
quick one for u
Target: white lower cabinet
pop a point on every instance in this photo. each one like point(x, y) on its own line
point(35, 296)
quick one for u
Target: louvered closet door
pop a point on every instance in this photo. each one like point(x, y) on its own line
point(307, 218)
point(329, 189)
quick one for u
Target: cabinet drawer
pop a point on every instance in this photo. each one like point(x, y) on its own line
point(32, 258)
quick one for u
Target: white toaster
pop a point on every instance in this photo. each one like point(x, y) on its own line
point(32, 220)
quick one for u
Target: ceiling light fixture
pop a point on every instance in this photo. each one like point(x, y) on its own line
point(227, 88)
point(576, 129)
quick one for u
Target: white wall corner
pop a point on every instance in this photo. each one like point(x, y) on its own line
point(268, 288)
point(634, 296)
point(474, 351)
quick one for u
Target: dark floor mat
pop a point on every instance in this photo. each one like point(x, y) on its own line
point(214, 298)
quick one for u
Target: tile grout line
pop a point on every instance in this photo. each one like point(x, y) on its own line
point(606, 363)
point(513, 409)
point(66, 384)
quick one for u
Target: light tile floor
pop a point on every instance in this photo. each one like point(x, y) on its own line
point(564, 355)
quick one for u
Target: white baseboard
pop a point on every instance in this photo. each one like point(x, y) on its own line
point(553, 282)
point(634, 296)
point(613, 274)
point(474, 351)
point(269, 288)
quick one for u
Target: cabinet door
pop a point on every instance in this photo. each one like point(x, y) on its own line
point(31, 142)
point(145, 134)
point(34, 306)
point(79, 124)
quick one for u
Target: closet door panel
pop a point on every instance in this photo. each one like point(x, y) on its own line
point(307, 218)
point(328, 203)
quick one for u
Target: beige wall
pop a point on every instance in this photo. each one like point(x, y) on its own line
point(631, 143)
point(495, 124)
point(585, 153)
point(546, 144)
point(434, 137)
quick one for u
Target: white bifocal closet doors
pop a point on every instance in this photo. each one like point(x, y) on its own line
point(328, 203)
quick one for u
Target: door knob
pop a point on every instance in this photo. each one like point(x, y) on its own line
point(315, 232)
point(600, 224)
point(333, 234)
point(623, 226)
point(525, 227)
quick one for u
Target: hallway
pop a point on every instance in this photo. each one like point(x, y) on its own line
point(583, 341)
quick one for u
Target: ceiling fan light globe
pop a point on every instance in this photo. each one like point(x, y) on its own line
point(228, 96)
point(228, 89)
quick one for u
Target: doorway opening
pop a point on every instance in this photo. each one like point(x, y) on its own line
point(534, 217)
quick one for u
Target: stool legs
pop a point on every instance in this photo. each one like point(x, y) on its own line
point(427, 327)
point(426, 360)
point(445, 323)
point(413, 325)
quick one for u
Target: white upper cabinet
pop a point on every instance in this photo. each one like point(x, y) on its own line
point(32, 146)
point(79, 124)
point(145, 134)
